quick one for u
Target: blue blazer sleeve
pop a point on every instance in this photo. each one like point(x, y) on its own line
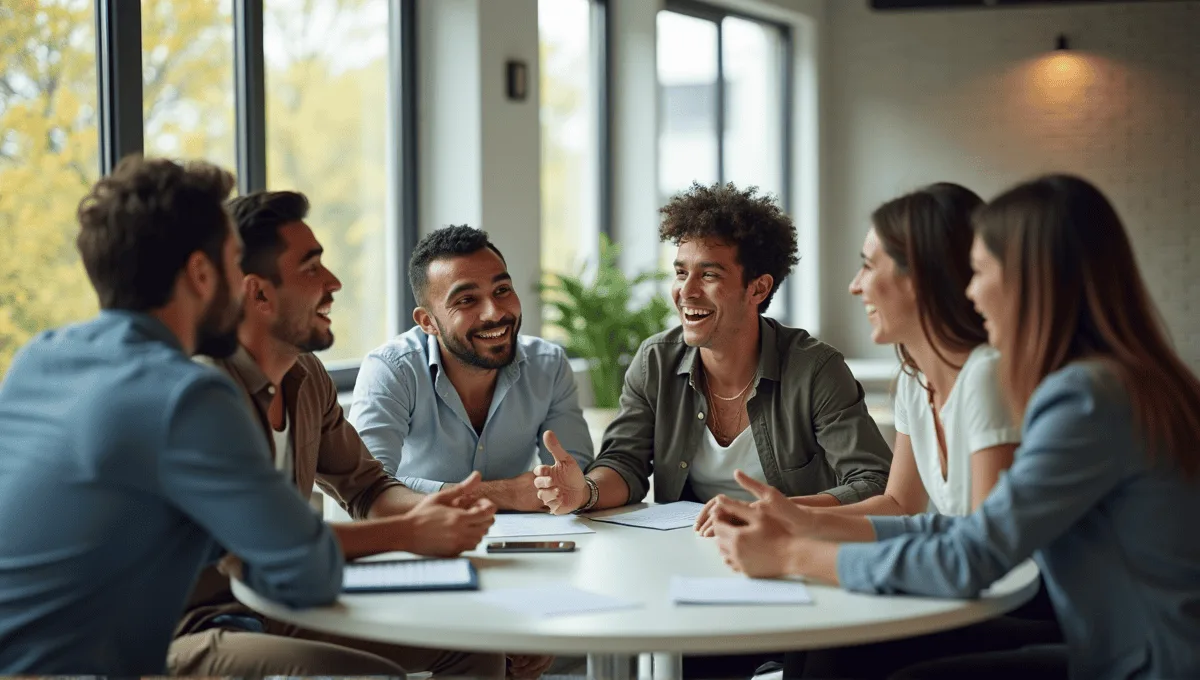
point(217, 469)
point(1077, 430)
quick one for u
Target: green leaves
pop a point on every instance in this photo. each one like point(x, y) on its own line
point(606, 320)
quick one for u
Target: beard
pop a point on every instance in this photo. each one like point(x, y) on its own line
point(296, 330)
point(217, 332)
point(496, 357)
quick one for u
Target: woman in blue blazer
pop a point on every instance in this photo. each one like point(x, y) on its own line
point(1104, 492)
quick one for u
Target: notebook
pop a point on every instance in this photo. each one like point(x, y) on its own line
point(410, 575)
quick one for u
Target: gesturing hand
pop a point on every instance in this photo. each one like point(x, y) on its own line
point(758, 538)
point(560, 486)
point(448, 522)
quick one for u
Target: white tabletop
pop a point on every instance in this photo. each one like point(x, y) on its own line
point(637, 564)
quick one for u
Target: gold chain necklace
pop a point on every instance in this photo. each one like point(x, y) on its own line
point(722, 438)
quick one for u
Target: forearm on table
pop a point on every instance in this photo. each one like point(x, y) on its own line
point(875, 505)
point(394, 500)
point(370, 536)
point(614, 492)
point(817, 500)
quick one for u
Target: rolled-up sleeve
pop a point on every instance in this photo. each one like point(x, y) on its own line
point(628, 444)
point(382, 413)
point(217, 470)
point(1069, 460)
point(854, 448)
point(565, 419)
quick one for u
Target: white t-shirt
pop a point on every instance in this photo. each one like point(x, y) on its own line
point(712, 468)
point(283, 448)
point(974, 418)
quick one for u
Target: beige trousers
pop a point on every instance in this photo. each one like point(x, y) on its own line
point(288, 650)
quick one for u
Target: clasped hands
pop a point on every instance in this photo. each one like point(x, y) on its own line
point(757, 538)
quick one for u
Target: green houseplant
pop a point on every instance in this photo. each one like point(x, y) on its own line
point(602, 321)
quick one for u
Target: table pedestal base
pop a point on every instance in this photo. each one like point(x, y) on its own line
point(656, 666)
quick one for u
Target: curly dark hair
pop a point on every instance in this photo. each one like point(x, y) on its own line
point(258, 216)
point(451, 241)
point(139, 225)
point(764, 235)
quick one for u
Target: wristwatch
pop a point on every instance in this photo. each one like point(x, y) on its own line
point(593, 495)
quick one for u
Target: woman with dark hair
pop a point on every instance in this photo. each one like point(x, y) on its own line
point(1104, 490)
point(954, 435)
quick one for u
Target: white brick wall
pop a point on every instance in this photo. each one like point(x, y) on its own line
point(974, 97)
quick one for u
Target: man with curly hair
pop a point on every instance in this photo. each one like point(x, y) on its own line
point(729, 388)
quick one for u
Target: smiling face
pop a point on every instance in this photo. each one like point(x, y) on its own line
point(472, 309)
point(887, 296)
point(304, 296)
point(713, 302)
point(987, 292)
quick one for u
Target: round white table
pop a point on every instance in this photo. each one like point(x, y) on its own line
point(637, 564)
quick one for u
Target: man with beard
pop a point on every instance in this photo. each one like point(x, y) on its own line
point(124, 465)
point(289, 295)
point(462, 391)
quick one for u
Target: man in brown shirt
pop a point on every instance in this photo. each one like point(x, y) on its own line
point(289, 293)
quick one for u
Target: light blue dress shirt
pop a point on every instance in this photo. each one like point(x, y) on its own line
point(1114, 535)
point(411, 418)
point(124, 468)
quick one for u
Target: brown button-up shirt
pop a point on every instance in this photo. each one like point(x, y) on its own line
point(326, 450)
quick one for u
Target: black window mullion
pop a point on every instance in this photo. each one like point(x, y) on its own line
point(250, 95)
point(402, 157)
point(720, 100)
point(602, 40)
point(119, 76)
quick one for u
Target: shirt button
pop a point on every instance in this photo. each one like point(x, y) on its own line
point(481, 447)
point(700, 415)
point(271, 389)
point(683, 465)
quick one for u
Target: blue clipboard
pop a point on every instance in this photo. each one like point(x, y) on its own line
point(411, 576)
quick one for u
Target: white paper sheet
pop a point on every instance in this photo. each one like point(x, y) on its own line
point(553, 600)
point(737, 590)
point(662, 517)
point(537, 524)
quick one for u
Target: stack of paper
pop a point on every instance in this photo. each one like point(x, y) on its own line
point(662, 517)
point(737, 590)
point(537, 524)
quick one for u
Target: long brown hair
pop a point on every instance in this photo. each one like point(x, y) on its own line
point(1079, 294)
point(928, 234)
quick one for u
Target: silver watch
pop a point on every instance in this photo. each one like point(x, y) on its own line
point(593, 495)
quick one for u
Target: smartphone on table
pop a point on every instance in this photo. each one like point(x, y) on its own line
point(530, 546)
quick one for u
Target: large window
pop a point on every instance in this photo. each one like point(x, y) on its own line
point(48, 158)
point(570, 43)
point(187, 79)
point(310, 95)
point(723, 105)
point(327, 107)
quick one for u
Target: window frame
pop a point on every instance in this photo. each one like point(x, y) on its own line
point(717, 14)
point(119, 83)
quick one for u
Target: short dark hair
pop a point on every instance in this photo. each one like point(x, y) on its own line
point(763, 234)
point(452, 241)
point(259, 216)
point(139, 225)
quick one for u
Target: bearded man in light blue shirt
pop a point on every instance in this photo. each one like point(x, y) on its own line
point(463, 391)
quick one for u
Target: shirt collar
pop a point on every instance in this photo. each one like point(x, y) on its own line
point(248, 371)
point(768, 354)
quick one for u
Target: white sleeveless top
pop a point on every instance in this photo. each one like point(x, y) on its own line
point(974, 418)
point(283, 448)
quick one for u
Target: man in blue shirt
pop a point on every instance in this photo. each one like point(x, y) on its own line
point(462, 391)
point(124, 465)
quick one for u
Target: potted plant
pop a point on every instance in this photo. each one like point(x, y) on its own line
point(604, 318)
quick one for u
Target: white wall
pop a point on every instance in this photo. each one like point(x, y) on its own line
point(977, 97)
point(479, 152)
